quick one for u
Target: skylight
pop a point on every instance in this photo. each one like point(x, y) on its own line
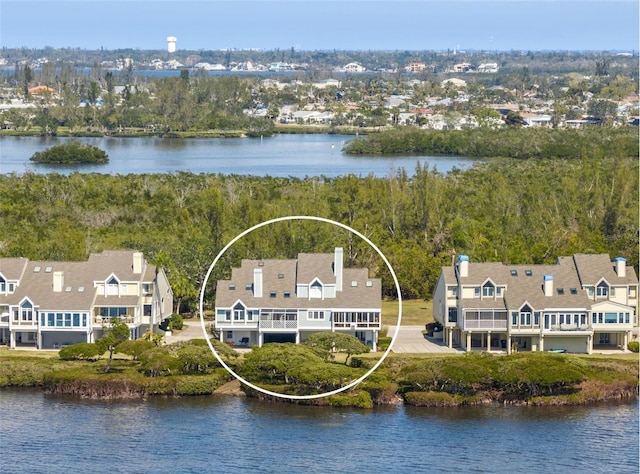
point(36, 269)
point(528, 272)
point(48, 269)
point(514, 273)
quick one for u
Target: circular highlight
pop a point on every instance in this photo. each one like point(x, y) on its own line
point(292, 218)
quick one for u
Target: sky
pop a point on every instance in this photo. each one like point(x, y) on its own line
point(323, 25)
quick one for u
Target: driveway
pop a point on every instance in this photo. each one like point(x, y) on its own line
point(411, 340)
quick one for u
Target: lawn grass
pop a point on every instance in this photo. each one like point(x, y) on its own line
point(414, 312)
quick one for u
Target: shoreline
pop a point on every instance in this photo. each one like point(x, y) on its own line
point(408, 379)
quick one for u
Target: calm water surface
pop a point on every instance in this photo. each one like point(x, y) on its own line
point(39, 433)
point(280, 155)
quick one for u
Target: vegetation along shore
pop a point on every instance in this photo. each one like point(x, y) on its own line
point(140, 369)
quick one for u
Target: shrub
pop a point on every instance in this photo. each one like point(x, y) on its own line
point(135, 348)
point(633, 346)
point(383, 343)
point(80, 351)
point(176, 322)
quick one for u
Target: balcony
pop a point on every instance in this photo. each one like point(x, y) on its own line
point(569, 327)
point(102, 320)
point(278, 324)
point(357, 325)
point(485, 324)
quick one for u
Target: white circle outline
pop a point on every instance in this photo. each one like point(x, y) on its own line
point(290, 218)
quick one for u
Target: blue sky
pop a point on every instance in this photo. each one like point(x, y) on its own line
point(323, 25)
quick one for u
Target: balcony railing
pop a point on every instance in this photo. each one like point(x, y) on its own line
point(485, 324)
point(105, 319)
point(278, 324)
point(569, 327)
point(361, 324)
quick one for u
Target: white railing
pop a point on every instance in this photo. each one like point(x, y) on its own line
point(569, 327)
point(361, 324)
point(278, 324)
point(485, 324)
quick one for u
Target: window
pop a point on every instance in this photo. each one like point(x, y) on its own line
point(514, 319)
point(112, 286)
point(354, 283)
point(561, 291)
point(48, 269)
point(528, 272)
point(280, 276)
point(498, 291)
point(370, 284)
point(610, 318)
point(287, 294)
point(573, 291)
point(487, 290)
point(81, 289)
point(232, 286)
point(27, 311)
point(602, 290)
point(613, 291)
point(36, 269)
point(317, 315)
point(476, 292)
point(453, 315)
point(590, 291)
point(248, 286)
point(536, 318)
point(76, 319)
point(514, 273)
point(272, 294)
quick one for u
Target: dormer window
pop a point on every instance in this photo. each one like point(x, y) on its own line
point(315, 291)
point(112, 286)
point(602, 290)
point(488, 290)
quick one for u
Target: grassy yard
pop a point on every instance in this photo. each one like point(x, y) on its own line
point(414, 313)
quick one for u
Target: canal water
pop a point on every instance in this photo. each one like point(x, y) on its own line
point(279, 156)
point(40, 433)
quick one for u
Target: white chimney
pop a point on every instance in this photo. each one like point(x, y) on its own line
point(337, 267)
point(58, 281)
point(621, 266)
point(547, 285)
point(463, 266)
point(257, 282)
point(137, 262)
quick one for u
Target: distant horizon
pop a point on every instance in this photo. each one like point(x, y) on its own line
point(322, 25)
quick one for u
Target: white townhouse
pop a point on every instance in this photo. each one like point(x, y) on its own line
point(579, 304)
point(283, 300)
point(47, 305)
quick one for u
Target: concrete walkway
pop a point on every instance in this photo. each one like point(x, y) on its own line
point(411, 340)
point(191, 329)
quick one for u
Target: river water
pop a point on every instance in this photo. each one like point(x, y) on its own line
point(279, 156)
point(40, 433)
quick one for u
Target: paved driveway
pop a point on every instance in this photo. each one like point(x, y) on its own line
point(411, 340)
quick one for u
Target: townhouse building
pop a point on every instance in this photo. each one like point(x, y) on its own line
point(285, 300)
point(579, 304)
point(46, 305)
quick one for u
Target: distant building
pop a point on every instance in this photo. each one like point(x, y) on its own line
point(415, 66)
point(171, 44)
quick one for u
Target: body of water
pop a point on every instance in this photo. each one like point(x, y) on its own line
point(280, 155)
point(40, 433)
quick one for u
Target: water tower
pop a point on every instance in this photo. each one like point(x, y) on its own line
point(171, 44)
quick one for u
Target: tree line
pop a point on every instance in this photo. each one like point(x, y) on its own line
point(513, 211)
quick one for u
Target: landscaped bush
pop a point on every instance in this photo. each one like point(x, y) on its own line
point(176, 322)
point(135, 348)
point(383, 343)
point(80, 351)
point(633, 346)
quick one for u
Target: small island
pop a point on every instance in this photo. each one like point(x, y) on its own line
point(72, 152)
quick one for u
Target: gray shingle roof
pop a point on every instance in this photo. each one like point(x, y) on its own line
point(524, 283)
point(309, 266)
point(78, 291)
